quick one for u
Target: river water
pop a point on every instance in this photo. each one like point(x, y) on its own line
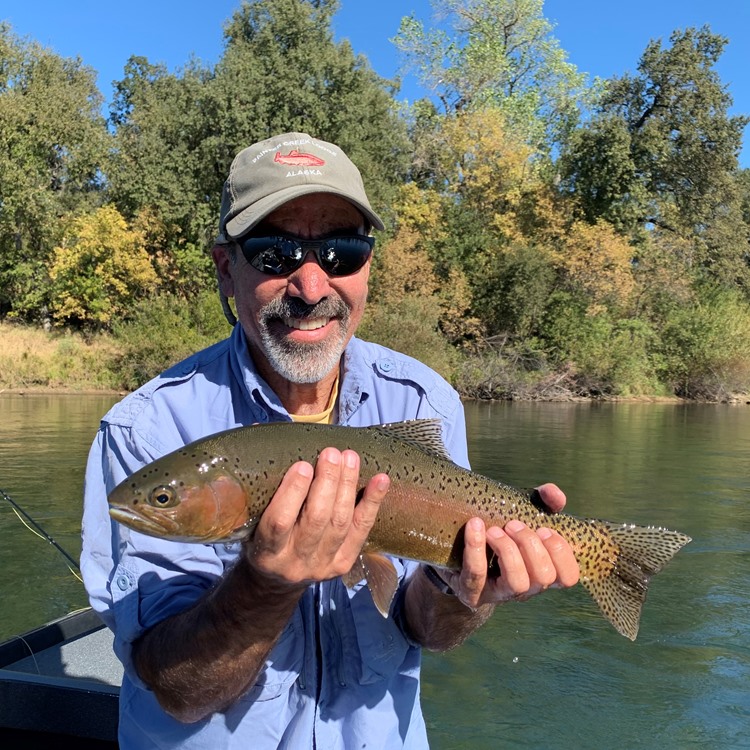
point(548, 673)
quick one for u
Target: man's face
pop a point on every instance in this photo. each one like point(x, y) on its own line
point(297, 326)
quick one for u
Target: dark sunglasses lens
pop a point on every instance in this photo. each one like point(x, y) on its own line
point(342, 256)
point(277, 256)
point(274, 256)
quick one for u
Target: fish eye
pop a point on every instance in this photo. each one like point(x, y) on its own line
point(162, 497)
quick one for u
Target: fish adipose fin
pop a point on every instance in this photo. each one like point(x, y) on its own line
point(381, 577)
point(619, 586)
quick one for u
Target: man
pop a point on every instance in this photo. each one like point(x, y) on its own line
point(261, 645)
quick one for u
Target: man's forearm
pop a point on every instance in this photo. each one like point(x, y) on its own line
point(201, 660)
point(437, 621)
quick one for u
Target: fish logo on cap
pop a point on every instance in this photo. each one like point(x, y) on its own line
point(296, 159)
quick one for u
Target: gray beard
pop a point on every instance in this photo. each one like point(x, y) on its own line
point(304, 363)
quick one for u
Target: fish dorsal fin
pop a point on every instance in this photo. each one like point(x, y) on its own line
point(424, 434)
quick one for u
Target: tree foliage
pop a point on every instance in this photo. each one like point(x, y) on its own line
point(661, 151)
point(53, 143)
point(280, 71)
point(99, 269)
point(497, 53)
point(528, 254)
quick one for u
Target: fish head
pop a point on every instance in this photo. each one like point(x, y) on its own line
point(208, 506)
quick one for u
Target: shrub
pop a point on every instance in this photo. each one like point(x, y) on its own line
point(615, 356)
point(706, 346)
point(164, 330)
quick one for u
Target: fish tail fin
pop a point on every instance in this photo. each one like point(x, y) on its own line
point(619, 586)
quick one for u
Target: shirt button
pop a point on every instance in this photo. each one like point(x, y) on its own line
point(385, 366)
point(123, 583)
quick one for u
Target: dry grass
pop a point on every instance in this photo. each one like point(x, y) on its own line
point(33, 358)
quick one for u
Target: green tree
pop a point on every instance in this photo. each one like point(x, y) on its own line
point(281, 70)
point(53, 141)
point(498, 53)
point(160, 124)
point(661, 152)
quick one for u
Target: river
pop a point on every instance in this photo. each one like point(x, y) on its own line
point(548, 673)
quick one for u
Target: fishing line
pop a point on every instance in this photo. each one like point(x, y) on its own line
point(36, 529)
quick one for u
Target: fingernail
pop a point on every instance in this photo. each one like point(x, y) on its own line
point(514, 526)
point(305, 469)
point(383, 482)
point(475, 525)
point(495, 533)
point(544, 533)
point(351, 459)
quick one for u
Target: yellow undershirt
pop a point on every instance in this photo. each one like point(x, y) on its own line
point(323, 417)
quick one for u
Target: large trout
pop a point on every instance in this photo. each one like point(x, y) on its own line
point(215, 490)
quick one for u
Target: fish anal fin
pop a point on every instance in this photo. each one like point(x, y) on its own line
point(381, 577)
point(424, 434)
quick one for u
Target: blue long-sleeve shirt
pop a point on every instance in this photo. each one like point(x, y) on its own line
point(341, 675)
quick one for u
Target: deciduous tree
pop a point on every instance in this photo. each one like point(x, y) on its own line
point(99, 269)
point(661, 152)
point(53, 140)
point(498, 53)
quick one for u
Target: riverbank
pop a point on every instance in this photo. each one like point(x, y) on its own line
point(33, 360)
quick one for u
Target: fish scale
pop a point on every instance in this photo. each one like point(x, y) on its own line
point(216, 489)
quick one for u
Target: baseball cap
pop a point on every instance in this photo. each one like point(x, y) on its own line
point(272, 172)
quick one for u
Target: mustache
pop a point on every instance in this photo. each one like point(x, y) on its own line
point(294, 307)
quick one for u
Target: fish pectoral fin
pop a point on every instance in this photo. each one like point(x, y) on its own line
point(382, 580)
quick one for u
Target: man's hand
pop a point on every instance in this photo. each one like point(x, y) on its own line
point(529, 561)
point(313, 528)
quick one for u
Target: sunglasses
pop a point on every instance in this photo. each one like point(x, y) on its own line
point(278, 256)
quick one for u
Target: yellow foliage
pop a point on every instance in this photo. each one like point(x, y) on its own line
point(405, 271)
point(100, 267)
point(487, 167)
point(420, 210)
point(598, 260)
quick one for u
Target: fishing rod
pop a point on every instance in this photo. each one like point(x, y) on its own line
point(29, 522)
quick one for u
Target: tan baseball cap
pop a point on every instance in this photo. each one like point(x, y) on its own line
point(270, 173)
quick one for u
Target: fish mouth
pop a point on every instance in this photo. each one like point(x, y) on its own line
point(155, 526)
point(306, 324)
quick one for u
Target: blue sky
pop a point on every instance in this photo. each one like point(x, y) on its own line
point(601, 37)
